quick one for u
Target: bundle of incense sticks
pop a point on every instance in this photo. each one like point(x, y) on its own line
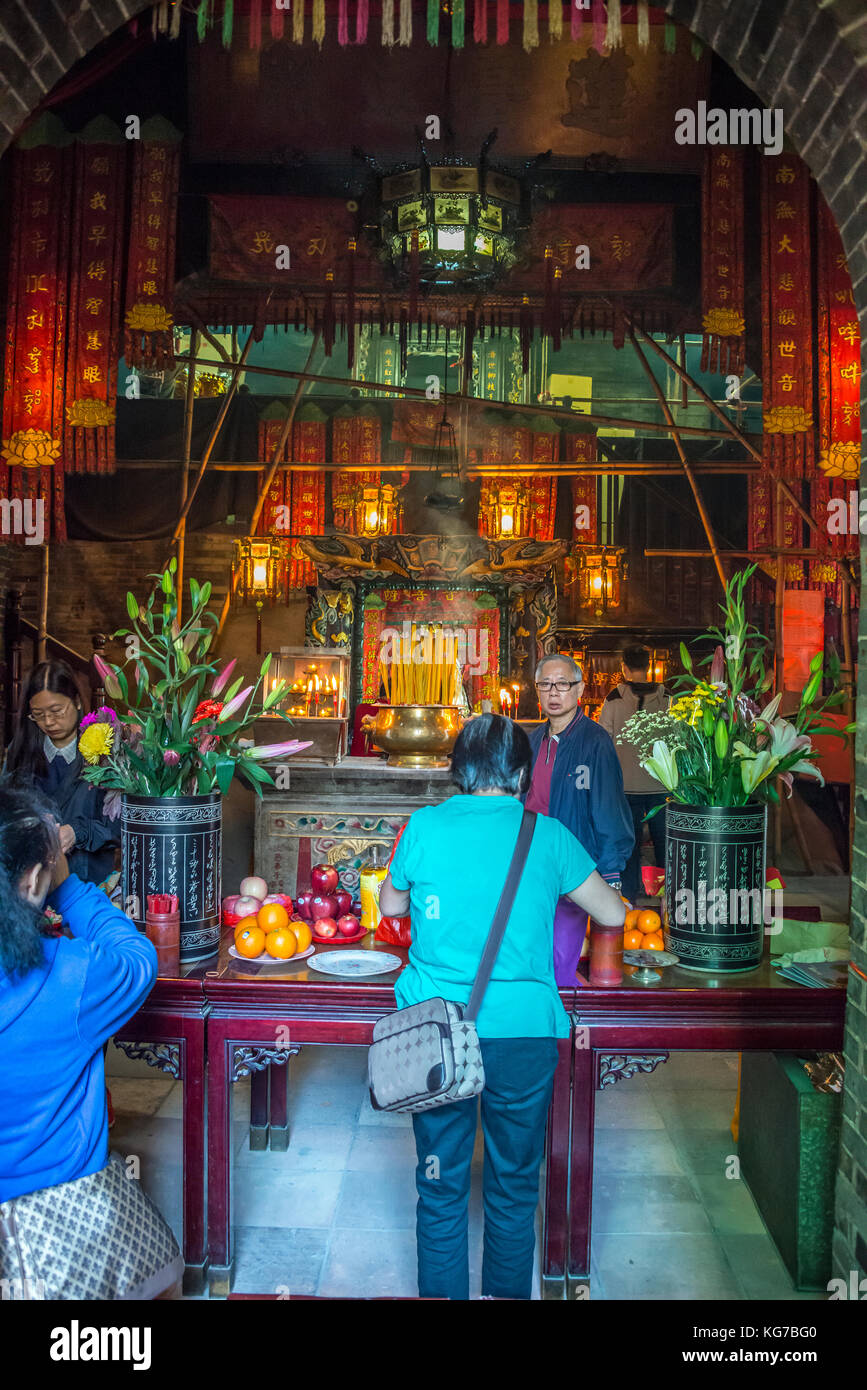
point(418, 678)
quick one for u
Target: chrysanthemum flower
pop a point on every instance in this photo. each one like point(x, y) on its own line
point(96, 741)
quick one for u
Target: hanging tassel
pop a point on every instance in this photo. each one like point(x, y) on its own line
point(557, 325)
point(643, 24)
point(458, 23)
point(405, 23)
point(362, 19)
point(319, 22)
point(352, 247)
point(175, 28)
point(256, 23)
point(228, 22)
point(480, 21)
point(433, 22)
point(577, 19)
point(328, 314)
point(555, 20)
point(670, 37)
point(469, 339)
point(614, 32)
point(161, 17)
point(531, 25)
point(548, 306)
point(343, 22)
point(403, 342)
point(502, 21)
point(600, 24)
point(298, 21)
point(413, 276)
point(278, 17)
point(388, 23)
point(428, 330)
point(203, 20)
point(696, 48)
point(526, 330)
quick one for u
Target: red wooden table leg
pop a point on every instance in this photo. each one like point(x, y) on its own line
point(555, 1216)
point(193, 1078)
point(585, 1063)
point(260, 1083)
point(279, 1106)
point(219, 1159)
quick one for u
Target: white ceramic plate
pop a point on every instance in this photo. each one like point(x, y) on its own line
point(356, 963)
point(265, 959)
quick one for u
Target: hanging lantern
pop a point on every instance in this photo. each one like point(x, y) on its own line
point(600, 571)
point(378, 511)
point(256, 570)
point(507, 513)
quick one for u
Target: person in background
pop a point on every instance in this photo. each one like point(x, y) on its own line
point(448, 872)
point(72, 1224)
point(577, 779)
point(635, 693)
point(44, 753)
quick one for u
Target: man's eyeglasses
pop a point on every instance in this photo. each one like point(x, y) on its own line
point(560, 686)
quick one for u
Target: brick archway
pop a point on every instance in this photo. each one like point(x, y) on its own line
point(808, 58)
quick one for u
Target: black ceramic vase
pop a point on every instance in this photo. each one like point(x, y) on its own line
point(715, 885)
point(173, 844)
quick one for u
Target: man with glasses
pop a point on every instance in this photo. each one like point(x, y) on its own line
point(576, 778)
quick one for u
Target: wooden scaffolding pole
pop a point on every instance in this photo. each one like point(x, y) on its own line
point(676, 432)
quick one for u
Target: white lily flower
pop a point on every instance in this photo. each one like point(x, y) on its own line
point(755, 770)
point(662, 765)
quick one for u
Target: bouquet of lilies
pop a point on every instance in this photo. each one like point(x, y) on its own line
point(181, 730)
point(722, 741)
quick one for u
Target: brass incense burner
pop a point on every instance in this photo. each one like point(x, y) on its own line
point(414, 735)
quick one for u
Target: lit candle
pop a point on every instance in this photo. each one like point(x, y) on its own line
point(517, 690)
point(504, 695)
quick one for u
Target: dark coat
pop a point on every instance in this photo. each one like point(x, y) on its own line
point(80, 805)
point(587, 793)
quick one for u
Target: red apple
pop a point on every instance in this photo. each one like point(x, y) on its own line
point(322, 905)
point(323, 878)
point(348, 925)
point(356, 907)
point(343, 900)
point(326, 926)
point(253, 887)
point(302, 905)
point(282, 898)
point(247, 906)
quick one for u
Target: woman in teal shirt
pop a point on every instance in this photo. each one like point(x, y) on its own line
point(448, 871)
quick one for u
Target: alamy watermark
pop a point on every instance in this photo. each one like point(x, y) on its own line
point(434, 645)
point(738, 906)
point(23, 518)
point(742, 126)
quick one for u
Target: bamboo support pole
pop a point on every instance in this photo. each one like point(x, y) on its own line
point(848, 705)
point(779, 592)
point(187, 445)
point(676, 433)
point(42, 629)
point(301, 387)
point(614, 467)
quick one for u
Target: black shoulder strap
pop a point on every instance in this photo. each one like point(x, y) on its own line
point(502, 914)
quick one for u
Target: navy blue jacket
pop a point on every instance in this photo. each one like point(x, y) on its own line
point(587, 793)
point(79, 804)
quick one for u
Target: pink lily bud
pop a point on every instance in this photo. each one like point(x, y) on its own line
point(107, 676)
point(278, 750)
point(234, 705)
point(718, 667)
point(171, 758)
point(222, 680)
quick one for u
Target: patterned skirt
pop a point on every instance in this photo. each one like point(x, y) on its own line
point(99, 1237)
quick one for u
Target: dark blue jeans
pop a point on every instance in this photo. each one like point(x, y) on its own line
point(639, 804)
point(519, 1077)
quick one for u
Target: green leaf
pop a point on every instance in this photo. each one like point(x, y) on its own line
point(206, 592)
point(225, 769)
point(195, 592)
point(685, 657)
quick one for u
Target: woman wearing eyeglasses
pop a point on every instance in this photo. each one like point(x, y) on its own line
point(44, 753)
point(576, 778)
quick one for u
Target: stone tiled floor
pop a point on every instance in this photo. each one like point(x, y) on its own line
point(335, 1214)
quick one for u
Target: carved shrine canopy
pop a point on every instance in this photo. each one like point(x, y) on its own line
point(465, 559)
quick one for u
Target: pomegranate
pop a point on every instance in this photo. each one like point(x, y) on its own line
point(324, 878)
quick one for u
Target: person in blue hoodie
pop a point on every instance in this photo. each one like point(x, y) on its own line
point(61, 999)
point(576, 778)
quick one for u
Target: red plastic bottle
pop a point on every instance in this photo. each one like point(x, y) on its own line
point(163, 928)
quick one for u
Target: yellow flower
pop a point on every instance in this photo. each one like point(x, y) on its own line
point(95, 742)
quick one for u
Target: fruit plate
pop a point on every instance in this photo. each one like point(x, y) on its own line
point(265, 959)
point(650, 959)
point(340, 940)
point(355, 963)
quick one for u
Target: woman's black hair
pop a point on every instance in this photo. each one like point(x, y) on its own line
point(492, 754)
point(28, 836)
point(25, 758)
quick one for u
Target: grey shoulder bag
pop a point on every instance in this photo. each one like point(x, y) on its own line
point(429, 1054)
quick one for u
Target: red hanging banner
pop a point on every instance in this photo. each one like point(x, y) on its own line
point(542, 488)
point(787, 322)
point(839, 347)
point(355, 439)
point(722, 261)
point(150, 279)
point(32, 469)
point(92, 348)
point(582, 448)
point(307, 512)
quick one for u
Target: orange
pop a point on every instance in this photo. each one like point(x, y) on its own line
point(632, 940)
point(632, 917)
point(281, 943)
point(303, 934)
point(648, 921)
point(271, 916)
point(250, 943)
point(245, 924)
point(652, 942)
